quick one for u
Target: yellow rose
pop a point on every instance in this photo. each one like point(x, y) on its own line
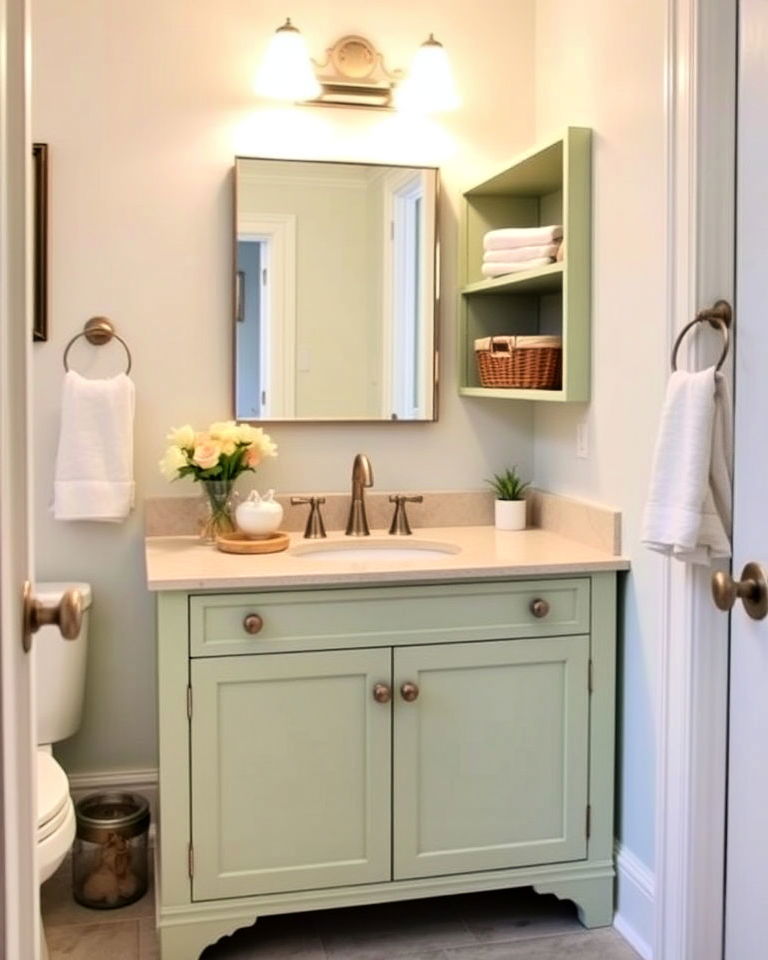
point(246, 433)
point(207, 454)
point(172, 462)
point(224, 430)
point(182, 436)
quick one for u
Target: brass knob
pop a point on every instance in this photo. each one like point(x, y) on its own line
point(752, 590)
point(409, 691)
point(382, 693)
point(67, 615)
point(539, 608)
point(253, 623)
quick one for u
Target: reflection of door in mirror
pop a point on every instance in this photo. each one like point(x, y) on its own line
point(335, 291)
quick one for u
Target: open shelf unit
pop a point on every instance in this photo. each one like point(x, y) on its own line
point(550, 184)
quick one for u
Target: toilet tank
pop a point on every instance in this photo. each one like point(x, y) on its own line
point(60, 669)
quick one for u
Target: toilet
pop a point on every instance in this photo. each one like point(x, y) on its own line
point(59, 686)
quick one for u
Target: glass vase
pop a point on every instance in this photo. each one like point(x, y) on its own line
point(217, 509)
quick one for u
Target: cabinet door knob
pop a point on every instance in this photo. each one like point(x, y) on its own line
point(409, 691)
point(253, 623)
point(382, 693)
point(539, 608)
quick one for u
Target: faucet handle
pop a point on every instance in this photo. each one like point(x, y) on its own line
point(315, 528)
point(400, 525)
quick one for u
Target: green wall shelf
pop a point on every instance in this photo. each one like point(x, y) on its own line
point(549, 184)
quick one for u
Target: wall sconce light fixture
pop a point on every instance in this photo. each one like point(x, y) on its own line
point(354, 74)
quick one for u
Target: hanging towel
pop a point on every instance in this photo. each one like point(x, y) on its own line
point(499, 269)
point(94, 465)
point(521, 236)
point(688, 513)
point(513, 254)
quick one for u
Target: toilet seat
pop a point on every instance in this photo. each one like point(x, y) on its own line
point(52, 795)
point(55, 815)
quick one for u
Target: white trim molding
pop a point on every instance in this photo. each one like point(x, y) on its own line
point(693, 636)
point(278, 335)
point(635, 901)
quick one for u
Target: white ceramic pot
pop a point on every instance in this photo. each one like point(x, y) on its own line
point(258, 517)
point(510, 514)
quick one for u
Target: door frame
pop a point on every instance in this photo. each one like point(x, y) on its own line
point(19, 887)
point(692, 671)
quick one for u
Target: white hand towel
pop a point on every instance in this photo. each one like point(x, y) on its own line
point(499, 269)
point(513, 254)
point(94, 465)
point(688, 513)
point(521, 236)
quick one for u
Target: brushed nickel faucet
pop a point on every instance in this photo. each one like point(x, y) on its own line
point(362, 477)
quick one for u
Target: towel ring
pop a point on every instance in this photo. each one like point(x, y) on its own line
point(98, 331)
point(719, 316)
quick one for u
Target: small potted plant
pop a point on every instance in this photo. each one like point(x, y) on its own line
point(510, 499)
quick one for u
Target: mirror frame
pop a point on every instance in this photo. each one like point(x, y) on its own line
point(436, 279)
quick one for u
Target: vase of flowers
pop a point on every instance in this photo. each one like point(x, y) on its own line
point(215, 458)
point(509, 507)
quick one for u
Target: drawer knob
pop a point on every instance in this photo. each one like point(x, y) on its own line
point(539, 608)
point(253, 623)
point(409, 691)
point(382, 693)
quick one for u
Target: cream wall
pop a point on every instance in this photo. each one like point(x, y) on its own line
point(144, 106)
point(602, 65)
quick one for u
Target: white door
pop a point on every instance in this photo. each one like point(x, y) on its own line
point(19, 894)
point(746, 914)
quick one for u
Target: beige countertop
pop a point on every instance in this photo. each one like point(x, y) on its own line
point(183, 563)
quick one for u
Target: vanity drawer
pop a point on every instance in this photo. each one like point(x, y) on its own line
point(233, 624)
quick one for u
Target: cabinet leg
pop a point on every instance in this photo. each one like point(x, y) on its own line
point(187, 941)
point(593, 898)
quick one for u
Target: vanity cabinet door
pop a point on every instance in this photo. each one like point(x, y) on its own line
point(491, 755)
point(291, 772)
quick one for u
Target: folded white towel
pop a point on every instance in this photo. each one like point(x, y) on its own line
point(513, 254)
point(94, 465)
point(499, 269)
point(688, 513)
point(521, 236)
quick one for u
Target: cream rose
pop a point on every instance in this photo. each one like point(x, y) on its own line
point(182, 436)
point(225, 430)
point(207, 454)
point(172, 462)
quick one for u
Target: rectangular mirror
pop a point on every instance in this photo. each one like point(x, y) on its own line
point(335, 290)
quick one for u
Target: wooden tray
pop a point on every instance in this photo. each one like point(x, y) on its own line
point(240, 543)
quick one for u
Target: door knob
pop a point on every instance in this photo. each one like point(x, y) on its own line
point(409, 691)
point(382, 693)
point(752, 590)
point(67, 615)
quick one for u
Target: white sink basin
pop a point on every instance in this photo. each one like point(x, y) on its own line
point(393, 548)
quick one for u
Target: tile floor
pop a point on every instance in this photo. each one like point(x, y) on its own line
point(503, 925)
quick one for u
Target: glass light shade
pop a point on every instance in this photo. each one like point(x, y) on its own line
point(286, 72)
point(429, 86)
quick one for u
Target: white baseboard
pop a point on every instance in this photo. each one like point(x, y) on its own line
point(143, 782)
point(635, 902)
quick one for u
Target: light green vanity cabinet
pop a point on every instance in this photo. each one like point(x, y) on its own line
point(382, 743)
point(301, 753)
point(490, 760)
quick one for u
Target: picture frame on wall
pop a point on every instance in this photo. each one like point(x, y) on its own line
point(40, 241)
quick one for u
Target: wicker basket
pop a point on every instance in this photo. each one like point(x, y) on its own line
point(524, 363)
